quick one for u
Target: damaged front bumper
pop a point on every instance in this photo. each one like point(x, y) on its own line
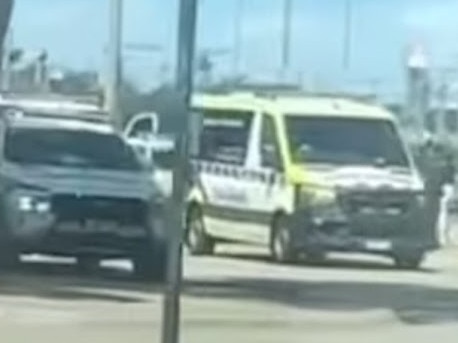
point(374, 223)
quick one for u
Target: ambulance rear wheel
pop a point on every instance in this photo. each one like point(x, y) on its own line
point(198, 241)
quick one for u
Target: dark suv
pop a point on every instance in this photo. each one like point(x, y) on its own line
point(74, 188)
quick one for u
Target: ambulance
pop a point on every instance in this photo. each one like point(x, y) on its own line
point(304, 175)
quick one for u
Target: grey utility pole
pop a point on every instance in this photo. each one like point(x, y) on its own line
point(184, 86)
point(113, 82)
point(286, 36)
point(6, 10)
point(6, 62)
point(238, 19)
point(347, 34)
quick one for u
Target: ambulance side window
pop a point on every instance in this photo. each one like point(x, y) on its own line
point(224, 137)
point(270, 150)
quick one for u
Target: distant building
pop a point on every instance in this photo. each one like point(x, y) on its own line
point(418, 89)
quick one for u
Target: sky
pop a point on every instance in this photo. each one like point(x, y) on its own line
point(75, 34)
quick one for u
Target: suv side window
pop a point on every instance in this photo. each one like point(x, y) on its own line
point(270, 149)
point(224, 136)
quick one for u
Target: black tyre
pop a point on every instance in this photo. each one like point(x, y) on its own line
point(281, 244)
point(315, 257)
point(87, 264)
point(9, 257)
point(408, 261)
point(150, 262)
point(197, 240)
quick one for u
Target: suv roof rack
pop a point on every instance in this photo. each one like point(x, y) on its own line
point(23, 112)
point(89, 98)
point(58, 108)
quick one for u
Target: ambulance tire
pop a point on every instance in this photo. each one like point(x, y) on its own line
point(281, 242)
point(198, 241)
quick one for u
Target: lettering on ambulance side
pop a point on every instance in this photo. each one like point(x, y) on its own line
point(201, 169)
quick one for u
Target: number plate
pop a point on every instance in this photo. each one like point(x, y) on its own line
point(98, 226)
point(378, 245)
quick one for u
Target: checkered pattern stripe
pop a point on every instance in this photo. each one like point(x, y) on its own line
point(237, 172)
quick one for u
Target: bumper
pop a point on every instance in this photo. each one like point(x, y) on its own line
point(377, 233)
point(43, 233)
point(101, 245)
point(381, 246)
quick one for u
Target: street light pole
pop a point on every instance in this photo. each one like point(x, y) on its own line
point(184, 86)
point(237, 36)
point(7, 67)
point(286, 39)
point(347, 34)
point(113, 84)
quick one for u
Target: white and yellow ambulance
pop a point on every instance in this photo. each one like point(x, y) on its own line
point(304, 175)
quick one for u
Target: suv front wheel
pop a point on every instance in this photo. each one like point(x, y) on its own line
point(150, 261)
point(87, 264)
point(9, 258)
point(9, 254)
point(408, 260)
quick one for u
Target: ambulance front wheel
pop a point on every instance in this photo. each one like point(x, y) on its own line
point(281, 242)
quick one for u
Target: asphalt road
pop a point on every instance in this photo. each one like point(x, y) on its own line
point(237, 296)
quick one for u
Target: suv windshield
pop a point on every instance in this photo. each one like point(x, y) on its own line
point(69, 148)
point(345, 141)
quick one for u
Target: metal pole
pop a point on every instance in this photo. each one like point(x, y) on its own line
point(114, 62)
point(6, 9)
point(6, 68)
point(441, 125)
point(347, 34)
point(237, 36)
point(286, 40)
point(184, 86)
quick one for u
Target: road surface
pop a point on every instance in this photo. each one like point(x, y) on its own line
point(237, 296)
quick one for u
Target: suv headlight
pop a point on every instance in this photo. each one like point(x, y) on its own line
point(25, 203)
point(32, 201)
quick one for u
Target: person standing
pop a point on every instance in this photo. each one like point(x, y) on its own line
point(431, 168)
point(448, 187)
